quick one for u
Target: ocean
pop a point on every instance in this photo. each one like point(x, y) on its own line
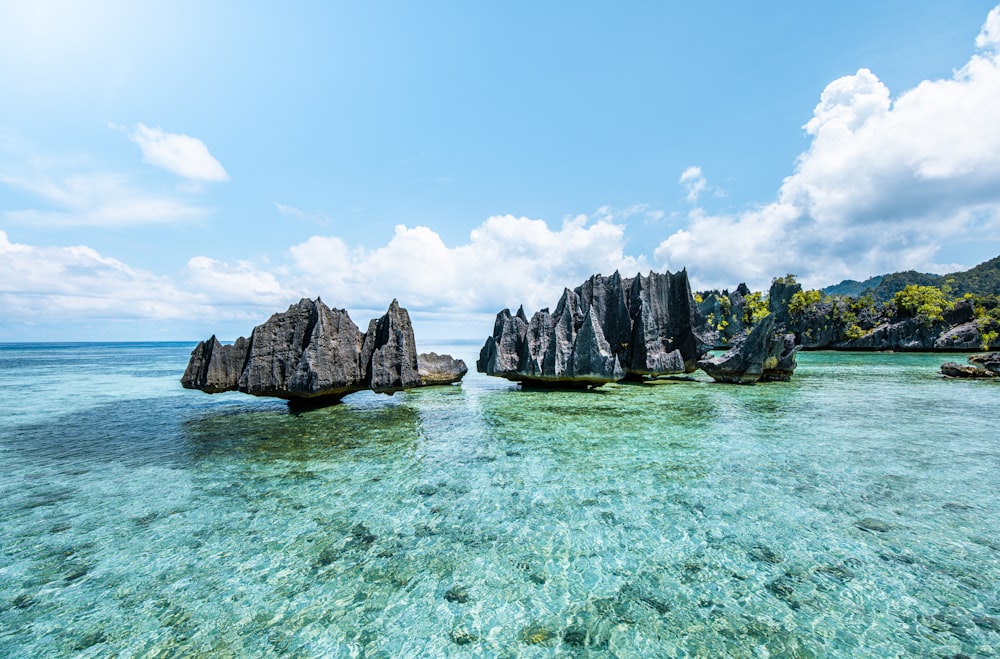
point(852, 512)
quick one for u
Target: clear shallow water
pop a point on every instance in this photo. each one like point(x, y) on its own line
point(854, 512)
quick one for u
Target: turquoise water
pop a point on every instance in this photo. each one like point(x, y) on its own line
point(853, 512)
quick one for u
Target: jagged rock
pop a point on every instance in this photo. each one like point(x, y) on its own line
point(989, 360)
point(311, 353)
point(215, 368)
point(761, 357)
point(724, 312)
point(603, 330)
point(390, 352)
point(781, 368)
point(500, 355)
point(956, 370)
point(960, 337)
point(435, 369)
point(308, 351)
point(668, 333)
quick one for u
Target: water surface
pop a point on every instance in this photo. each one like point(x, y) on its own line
point(853, 512)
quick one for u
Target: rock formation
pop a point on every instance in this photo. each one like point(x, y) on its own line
point(312, 353)
point(984, 365)
point(762, 356)
point(604, 330)
point(435, 369)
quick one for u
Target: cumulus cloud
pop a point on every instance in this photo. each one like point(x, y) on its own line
point(242, 284)
point(64, 290)
point(507, 261)
point(989, 36)
point(180, 154)
point(76, 282)
point(882, 185)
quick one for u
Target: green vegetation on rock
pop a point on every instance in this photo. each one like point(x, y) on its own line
point(927, 302)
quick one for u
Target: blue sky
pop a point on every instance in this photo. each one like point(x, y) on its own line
point(170, 170)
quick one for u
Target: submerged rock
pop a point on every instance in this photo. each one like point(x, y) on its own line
point(761, 356)
point(606, 329)
point(312, 354)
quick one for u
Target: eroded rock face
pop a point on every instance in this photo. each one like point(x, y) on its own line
point(311, 353)
point(762, 357)
point(213, 367)
point(435, 369)
point(602, 331)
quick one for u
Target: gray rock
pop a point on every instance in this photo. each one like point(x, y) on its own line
point(762, 356)
point(602, 331)
point(435, 369)
point(314, 354)
point(989, 360)
point(389, 352)
point(781, 362)
point(214, 367)
point(965, 371)
point(960, 337)
point(500, 356)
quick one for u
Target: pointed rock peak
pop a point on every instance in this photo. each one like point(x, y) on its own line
point(394, 305)
point(742, 289)
point(520, 313)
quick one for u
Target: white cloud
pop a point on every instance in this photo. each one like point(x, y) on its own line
point(507, 261)
point(237, 285)
point(75, 292)
point(694, 182)
point(95, 199)
point(989, 36)
point(883, 184)
point(70, 283)
point(183, 155)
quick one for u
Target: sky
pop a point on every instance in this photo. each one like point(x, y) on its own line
point(173, 170)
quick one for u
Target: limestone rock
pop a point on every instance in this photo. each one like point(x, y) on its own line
point(214, 367)
point(965, 336)
point(966, 371)
point(989, 360)
point(435, 369)
point(389, 352)
point(781, 362)
point(312, 353)
point(762, 357)
point(602, 331)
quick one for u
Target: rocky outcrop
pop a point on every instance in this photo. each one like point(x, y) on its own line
point(782, 348)
point(966, 371)
point(724, 312)
point(988, 360)
point(602, 331)
point(214, 367)
point(982, 365)
point(311, 353)
point(434, 369)
point(762, 356)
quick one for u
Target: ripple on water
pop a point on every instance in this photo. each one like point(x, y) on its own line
point(841, 514)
